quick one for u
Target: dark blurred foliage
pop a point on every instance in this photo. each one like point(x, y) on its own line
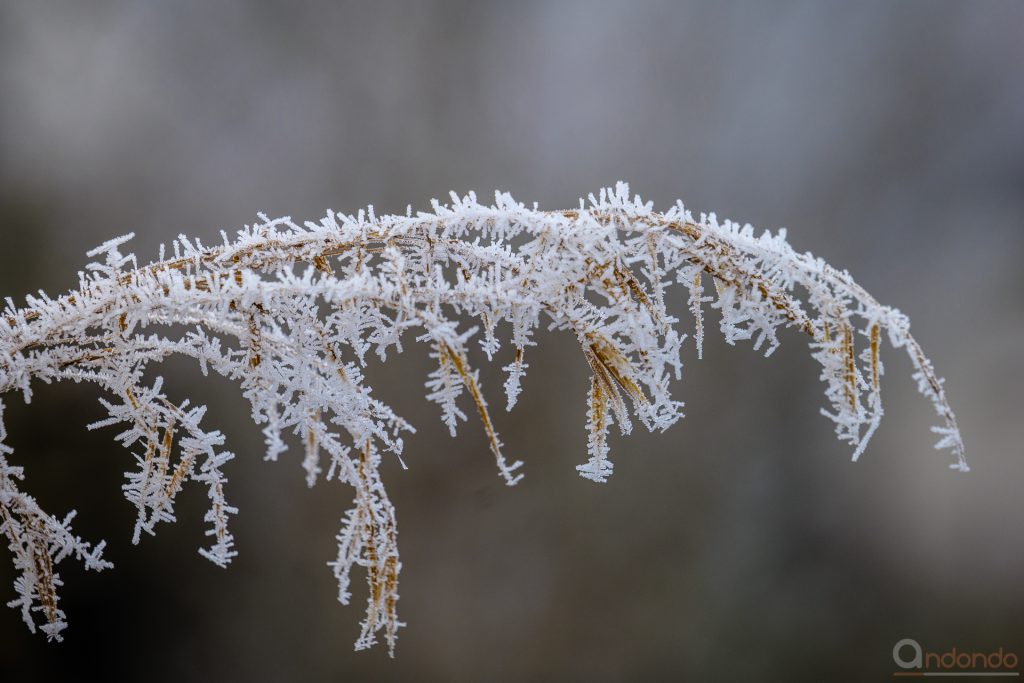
point(740, 545)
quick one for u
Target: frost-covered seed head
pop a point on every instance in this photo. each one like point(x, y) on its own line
point(291, 312)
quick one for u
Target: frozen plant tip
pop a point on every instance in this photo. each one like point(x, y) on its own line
point(291, 312)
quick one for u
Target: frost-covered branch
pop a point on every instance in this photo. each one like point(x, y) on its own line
point(291, 312)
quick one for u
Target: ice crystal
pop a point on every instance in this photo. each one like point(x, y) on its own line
point(291, 312)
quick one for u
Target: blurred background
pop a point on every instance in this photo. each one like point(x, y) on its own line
point(888, 137)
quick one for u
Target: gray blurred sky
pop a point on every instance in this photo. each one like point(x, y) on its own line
point(889, 138)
